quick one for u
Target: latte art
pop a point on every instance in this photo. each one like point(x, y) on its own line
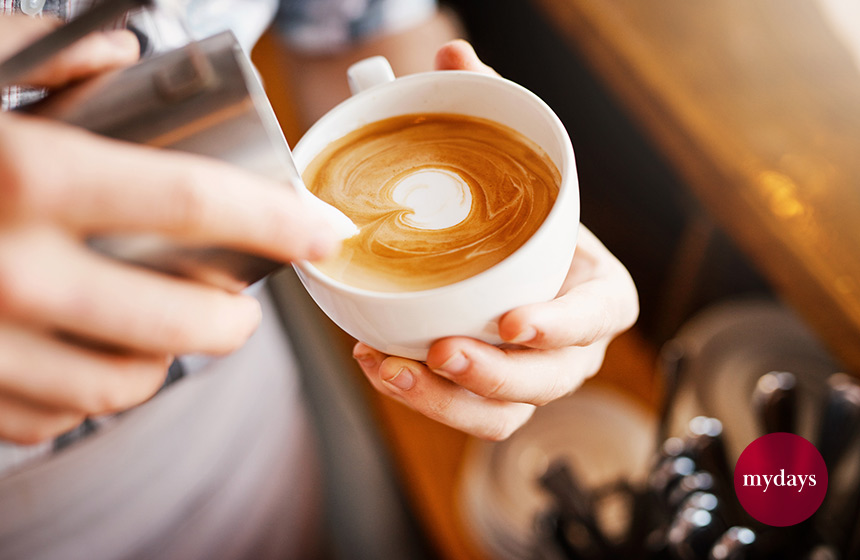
point(438, 198)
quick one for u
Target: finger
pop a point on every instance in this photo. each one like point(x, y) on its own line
point(598, 300)
point(514, 374)
point(50, 373)
point(115, 303)
point(459, 55)
point(19, 31)
point(132, 188)
point(437, 398)
point(25, 424)
point(91, 55)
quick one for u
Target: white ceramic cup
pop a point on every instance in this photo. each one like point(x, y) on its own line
point(407, 323)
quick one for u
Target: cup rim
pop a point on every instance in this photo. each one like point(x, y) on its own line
point(567, 163)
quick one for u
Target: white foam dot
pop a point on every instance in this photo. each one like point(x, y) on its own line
point(438, 198)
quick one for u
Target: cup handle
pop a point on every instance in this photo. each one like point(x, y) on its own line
point(369, 72)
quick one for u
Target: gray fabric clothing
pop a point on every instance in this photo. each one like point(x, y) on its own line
point(219, 465)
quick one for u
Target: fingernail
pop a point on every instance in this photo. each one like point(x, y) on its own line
point(455, 364)
point(252, 309)
point(323, 246)
point(404, 379)
point(525, 335)
point(121, 38)
point(366, 360)
point(343, 226)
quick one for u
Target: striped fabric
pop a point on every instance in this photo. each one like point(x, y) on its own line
point(15, 96)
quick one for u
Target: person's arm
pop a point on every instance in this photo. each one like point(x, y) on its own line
point(82, 334)
point(553, 347)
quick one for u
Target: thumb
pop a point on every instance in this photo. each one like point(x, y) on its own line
point(459, 55)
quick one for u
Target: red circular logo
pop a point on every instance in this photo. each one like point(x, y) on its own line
point(780, 479)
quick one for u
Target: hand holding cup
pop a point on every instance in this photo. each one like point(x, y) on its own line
point(486, 378)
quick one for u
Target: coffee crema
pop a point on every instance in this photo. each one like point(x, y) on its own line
point(438, 198)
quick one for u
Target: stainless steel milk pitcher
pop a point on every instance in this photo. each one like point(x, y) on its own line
point(204, 98)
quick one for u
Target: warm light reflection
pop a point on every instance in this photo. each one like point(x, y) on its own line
point(781, 194)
